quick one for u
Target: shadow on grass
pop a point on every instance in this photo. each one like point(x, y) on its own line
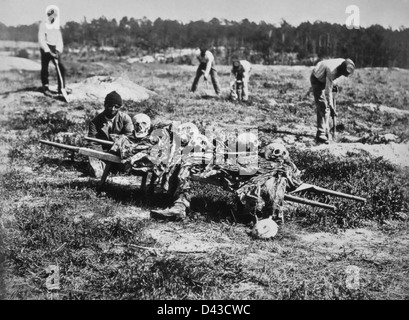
point(208, 97)
point(80, 166)
point(223, 207)
point(202, 206)
point(208, 202)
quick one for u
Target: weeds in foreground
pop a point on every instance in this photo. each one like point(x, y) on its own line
point(110, 259)
point(45, 122)
point(103, 256)
point(379, 182)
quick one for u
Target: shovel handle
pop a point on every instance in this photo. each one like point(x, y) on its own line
point(334, 122)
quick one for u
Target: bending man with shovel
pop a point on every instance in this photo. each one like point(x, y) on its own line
point(206, 68)
point(322, 82)
point(51, 45)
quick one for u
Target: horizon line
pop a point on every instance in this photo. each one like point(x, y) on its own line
point(274, 24)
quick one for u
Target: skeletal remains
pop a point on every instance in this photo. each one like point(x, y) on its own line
point(250, 190)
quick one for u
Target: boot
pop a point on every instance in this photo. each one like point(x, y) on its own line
point(176, 212)
point(322, 138)
point(47, 91)
point(68, 90)
point(96, 167)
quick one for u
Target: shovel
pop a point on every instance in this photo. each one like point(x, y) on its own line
point(208, 92)
point(63, 91)
point(239, 89)
point(334, 121)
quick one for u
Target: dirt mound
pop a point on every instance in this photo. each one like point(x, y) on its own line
point(96, 88)
point(15, 63)
point(386, 145)
point(395, 153)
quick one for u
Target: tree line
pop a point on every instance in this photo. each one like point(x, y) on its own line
point(261, 42)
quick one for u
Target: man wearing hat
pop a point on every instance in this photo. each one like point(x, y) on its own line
point(110, 121)
point(241, 71)
point(206, 68)
point(322, 81)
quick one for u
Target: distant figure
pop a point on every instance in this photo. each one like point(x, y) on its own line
point(108, 122)
point(322, 82)
point(206, 67)
point(51, 46)
point(241, 71)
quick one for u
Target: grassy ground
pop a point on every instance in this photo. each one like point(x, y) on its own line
point(106, 247)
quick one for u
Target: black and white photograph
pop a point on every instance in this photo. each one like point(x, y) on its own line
point(203, 156)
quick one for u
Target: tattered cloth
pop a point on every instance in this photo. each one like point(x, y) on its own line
point(142, 153)
point(263, 194)
point(159, 155)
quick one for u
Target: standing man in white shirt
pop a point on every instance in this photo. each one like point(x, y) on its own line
point(322, 82)
point(241, 71)
point(206, 68)
point(51, 46)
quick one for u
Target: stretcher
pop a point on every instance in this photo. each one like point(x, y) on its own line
point(110, 159)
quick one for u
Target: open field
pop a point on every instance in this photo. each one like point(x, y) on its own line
point(107, 247)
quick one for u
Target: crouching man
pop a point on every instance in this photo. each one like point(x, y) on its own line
point(108, 122)
point(239, 88)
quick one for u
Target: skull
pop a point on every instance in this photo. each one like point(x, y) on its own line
point(201, 143)
point(142, 124)
point(187, 132)
point(275, 151)
point(264, 229)
point(247, 141)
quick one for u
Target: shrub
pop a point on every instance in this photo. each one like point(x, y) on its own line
point(374, 179)
point(22, 53)
point(45, 122)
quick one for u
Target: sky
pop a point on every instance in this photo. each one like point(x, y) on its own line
point(392, 13)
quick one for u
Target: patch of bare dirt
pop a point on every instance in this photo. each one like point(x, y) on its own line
point(368, 244)
point(194, 241)
point(303, 137)
point(396, 153)
point(4, 161)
